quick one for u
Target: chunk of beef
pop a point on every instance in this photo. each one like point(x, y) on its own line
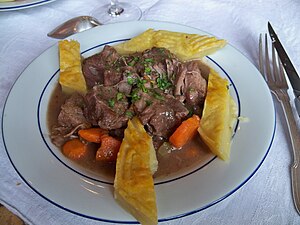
point(172, 68)
point(70, 119)
point(133, 61)
point(94, 67)
point(179, 82)
point(106, 107)
point(129, 76)
point(190, 84)
point(59, 135)
point(124, 87)
point(111, 77)
point(145, 100)
point(205, 70)
point(158, 61)
point(195, 84)
point(162, 117)
point(158, 54)
point(72, 112)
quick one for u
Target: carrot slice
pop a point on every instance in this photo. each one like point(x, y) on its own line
point(74, 149)
point(185, 131)
point(109, 149)
point(92, 134)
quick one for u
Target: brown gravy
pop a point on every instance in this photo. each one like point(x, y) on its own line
point(193, 154)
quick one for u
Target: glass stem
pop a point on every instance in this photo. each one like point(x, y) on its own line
point(115, 9)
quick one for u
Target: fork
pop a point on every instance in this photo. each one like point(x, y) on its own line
point(272, 71)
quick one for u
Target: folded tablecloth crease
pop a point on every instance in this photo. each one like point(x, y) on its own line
point(265, 199)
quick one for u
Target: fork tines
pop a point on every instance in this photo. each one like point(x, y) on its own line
point(271, 69)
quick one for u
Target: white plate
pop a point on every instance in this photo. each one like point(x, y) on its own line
point(22, 4)
point(84, 193)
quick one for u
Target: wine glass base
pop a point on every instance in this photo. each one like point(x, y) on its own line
point(124, 12)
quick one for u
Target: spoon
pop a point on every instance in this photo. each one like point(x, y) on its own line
point(73, 26)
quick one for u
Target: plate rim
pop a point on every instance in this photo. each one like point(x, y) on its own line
point(9, 6)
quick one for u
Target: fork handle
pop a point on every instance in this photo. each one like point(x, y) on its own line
point(295, 141)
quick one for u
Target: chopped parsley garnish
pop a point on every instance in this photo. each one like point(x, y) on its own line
point(129, 113)
point(157, 96)
point(140, 84)
point(148, 102)
point(163, 83)
point(119, 96)
point(148, 70)
point(134, 61)
point(131, 63)
point(111, 103)
point(149, 60)
point(128, 73)
point(134, 95)
point(130, 80)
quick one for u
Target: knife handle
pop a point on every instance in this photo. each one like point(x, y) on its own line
point(295, 141)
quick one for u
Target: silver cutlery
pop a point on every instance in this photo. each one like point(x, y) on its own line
point(73, 26)
point(273, 73)
point(288, 66)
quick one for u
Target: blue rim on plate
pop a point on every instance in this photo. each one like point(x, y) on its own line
point(22, 4)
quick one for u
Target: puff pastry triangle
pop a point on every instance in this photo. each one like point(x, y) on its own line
point(133, 184)
point(218, 117)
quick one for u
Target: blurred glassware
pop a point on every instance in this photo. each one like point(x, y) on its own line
point(117, 12)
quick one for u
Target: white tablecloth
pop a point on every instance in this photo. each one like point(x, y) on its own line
point(265, 199)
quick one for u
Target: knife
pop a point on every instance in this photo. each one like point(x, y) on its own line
point(287, 65)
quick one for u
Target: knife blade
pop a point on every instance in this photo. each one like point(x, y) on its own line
point(287, 65)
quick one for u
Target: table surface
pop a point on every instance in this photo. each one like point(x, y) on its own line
point(265, 199)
